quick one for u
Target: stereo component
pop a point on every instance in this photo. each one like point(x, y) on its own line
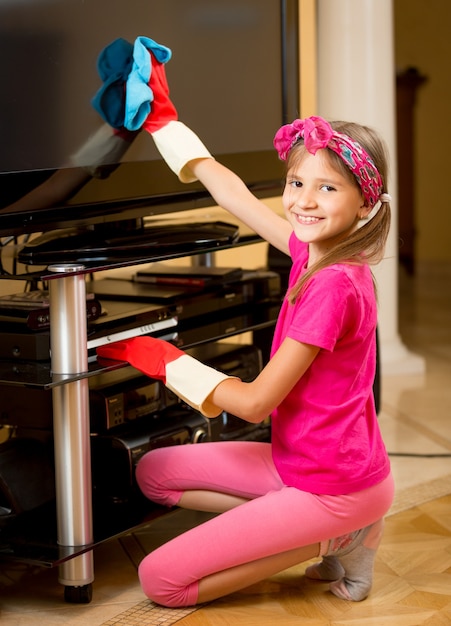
point(116, 454)
point(123, 396)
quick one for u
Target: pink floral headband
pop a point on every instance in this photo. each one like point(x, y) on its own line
point(317, 133)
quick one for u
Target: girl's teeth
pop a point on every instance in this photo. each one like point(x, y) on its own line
point(308, 220)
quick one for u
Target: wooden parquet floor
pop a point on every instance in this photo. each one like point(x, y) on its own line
point(412, 587)
point(412, 584)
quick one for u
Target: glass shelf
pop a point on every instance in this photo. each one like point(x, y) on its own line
point(31, 537)
point(42, 273)
point(38, 374)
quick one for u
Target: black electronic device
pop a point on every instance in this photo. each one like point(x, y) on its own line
point(116, 454)
point(22, 344)
point(187, 276)
point(235, 107)
point(123, 396)
point(251, 287)
point(39, 318)
point(123, 320)
point(27, 477)
point(120, 320)
point(116, 398)
point(220, 327)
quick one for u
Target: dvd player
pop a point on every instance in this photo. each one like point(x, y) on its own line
point(123, 320)
point(120, 320)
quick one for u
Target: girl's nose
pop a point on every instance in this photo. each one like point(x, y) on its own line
point(306, 199)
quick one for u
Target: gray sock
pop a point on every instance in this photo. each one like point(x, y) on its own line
point(357, 561)
point(358, 578)
point(328, 569)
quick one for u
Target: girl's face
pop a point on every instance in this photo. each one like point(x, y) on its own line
point(322, 204)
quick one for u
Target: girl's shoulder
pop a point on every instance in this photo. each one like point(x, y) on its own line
point(347, 275)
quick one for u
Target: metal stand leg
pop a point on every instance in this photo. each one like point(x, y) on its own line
point(68, 342)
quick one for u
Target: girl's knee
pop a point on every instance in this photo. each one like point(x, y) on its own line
point(150, 477)
point(144, 469)
point(149, 578)
point(160, 585)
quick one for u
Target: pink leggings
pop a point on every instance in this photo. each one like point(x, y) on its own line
point(275, 519)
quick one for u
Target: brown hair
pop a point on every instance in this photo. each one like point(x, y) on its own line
point(366, 244)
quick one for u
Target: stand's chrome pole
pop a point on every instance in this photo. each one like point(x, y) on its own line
point(68, 344)
point(204, 260)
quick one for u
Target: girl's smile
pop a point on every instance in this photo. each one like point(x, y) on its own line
point(307, 219)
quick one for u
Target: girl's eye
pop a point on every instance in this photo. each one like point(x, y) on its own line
point(328, 188)
point(294, 183)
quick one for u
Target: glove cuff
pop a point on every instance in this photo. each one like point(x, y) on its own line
point(193, 382)
point(178, 145)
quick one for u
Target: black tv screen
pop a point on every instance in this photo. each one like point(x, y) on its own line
point(233, 77)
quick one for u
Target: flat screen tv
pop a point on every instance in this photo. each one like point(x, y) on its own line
point(233, 77)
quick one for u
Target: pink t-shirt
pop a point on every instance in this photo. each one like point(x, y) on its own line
point(325, 433)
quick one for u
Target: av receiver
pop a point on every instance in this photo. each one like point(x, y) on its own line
point(115, 454)
point(116, 398)
point(123, 396)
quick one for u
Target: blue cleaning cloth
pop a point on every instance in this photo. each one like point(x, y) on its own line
point(139, 95)
point(114, 65)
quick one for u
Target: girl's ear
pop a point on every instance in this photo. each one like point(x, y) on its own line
point(365, 210)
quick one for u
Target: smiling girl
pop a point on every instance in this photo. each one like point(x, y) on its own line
point(323, 484)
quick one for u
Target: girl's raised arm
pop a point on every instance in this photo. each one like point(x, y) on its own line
point(190, 159)
point(230, 193)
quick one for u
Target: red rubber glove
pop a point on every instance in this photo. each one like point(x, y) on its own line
point(189, 379)
point(147, 354)
point(162, 109)
point(177, 144)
